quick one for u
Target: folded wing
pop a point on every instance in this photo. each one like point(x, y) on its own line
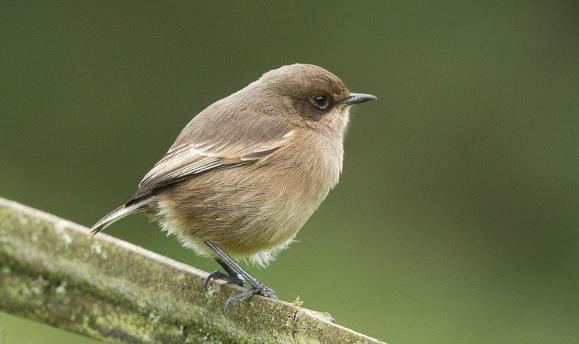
point(188, 160)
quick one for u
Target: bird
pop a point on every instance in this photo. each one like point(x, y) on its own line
point(246, 173)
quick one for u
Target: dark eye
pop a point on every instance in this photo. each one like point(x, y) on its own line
point(321, 102)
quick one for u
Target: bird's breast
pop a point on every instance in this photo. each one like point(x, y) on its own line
point(304, 173)
point(254, 210)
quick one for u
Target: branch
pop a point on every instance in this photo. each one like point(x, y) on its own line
point(105, 288)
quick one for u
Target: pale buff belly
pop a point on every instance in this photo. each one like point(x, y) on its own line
point(248, 213)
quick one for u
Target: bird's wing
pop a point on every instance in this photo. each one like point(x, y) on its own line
point(186, 161)
point(213, 140)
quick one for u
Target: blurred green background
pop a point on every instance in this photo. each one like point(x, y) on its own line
point(456, 219)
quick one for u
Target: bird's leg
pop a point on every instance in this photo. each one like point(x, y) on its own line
point(236, 271)
point(230, 276)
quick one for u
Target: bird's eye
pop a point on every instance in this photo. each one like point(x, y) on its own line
point(321, 102)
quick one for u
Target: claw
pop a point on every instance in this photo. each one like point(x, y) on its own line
point(260, 290)
point(211, 276)
point(239, 297)
point(220, 275)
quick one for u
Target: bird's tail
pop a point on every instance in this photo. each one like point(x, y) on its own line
point(117, 214)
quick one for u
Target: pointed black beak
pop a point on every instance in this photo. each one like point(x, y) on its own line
point(356, 98)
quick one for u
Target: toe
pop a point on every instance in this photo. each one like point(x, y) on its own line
point(239, 297)
point(267, 292)
point(211, 276)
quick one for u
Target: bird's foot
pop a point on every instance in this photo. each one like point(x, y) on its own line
point(259, 289)
point(235, 271)
point(223, 276)
point(262, 290)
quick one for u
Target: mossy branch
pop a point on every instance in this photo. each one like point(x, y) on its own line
point(105, 288)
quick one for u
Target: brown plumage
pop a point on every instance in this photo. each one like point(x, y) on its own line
point(249, 170)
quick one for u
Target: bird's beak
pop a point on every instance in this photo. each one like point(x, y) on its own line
point(356, 98)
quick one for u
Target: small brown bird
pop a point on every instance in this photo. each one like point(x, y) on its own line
point(247, 172)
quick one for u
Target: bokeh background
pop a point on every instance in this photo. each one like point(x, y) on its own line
point(456, 219)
